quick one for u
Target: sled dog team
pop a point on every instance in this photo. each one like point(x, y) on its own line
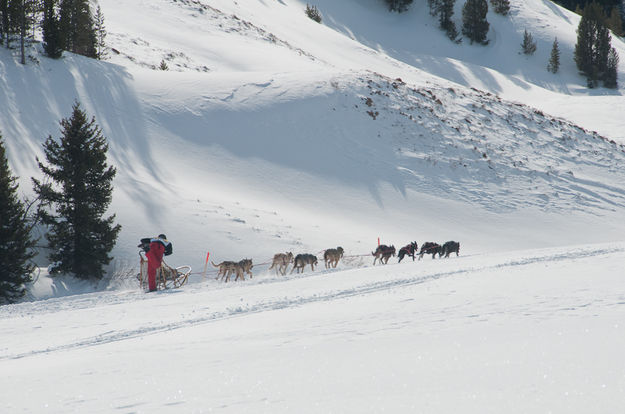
point(383, 252)
point(331, 257)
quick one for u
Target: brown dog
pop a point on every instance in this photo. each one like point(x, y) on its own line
point(332, 257)
point(225, 267)
point(228, 268)
point(281, 262)
point(383, 253)
point(246, 265)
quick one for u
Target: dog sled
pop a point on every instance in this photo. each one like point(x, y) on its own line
point(167, 277)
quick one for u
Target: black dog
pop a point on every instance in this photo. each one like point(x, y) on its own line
point(448, 248)
point(429, 248)
point(408, 250)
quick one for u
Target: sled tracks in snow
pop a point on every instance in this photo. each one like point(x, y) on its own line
point(285, 303)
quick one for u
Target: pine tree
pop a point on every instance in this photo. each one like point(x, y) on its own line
point(16, 245)
point(17, 18)
point(74, 202)
point(445, 21)
point(501, 6)
point(474, 23)
point(78, 34)
point(528, 46)
point(313, 13)
point(11, 20)
point(4, 19)
point(51, 30)
point(610, 79)
point(444, 9)
point(593, 45)
point(615, 22)
point(398, 5)
point(434, 6)
point(554, 60)
point(100, 33)
point(578, 5)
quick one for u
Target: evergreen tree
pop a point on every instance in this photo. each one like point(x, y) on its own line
point(474, 23)
point(615, 22)
point(4, 19)
point(528, 46)
point(554, 60)
point(16, 246)
point(611, 77)
point(51, 30)
point(578, 10)
point(77, 29)
point(74, 202)
point(11, 19)
point(398, 5)
point(100, 33)
point(17, 18)
point(444, 9)
point(574, 5)
point(313, 13)
point(501, 6)
point(593, 44)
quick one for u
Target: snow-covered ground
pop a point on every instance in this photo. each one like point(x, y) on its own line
point(272, 133)
point(529, 331)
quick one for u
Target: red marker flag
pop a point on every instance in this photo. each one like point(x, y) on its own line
point(205, 265)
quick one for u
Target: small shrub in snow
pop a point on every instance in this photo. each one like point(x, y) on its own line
point(313, 13)
point(163, 65)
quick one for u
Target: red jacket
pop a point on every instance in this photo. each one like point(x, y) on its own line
point(157, 248)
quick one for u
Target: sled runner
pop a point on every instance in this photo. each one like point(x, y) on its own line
point(166, 276)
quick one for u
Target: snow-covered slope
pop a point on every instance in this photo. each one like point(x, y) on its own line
point(365, 35)
point(272, 132)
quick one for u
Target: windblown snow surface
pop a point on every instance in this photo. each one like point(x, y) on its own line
point(272, 133)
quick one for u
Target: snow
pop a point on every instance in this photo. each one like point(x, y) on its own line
point(528, 331)
point(272, 133)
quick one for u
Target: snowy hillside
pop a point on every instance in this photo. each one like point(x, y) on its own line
point(269, 127)
point(272, 133)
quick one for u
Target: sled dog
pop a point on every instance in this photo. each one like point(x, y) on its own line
point(383, 253)
point(332, 257)
point(408, 250)
point(281, 262)
point(448, 248)
point(429, 248)
point(301, 260)
point(246, 266)
point(225, 267)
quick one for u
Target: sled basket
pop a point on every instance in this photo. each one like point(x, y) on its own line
point(166, 276)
